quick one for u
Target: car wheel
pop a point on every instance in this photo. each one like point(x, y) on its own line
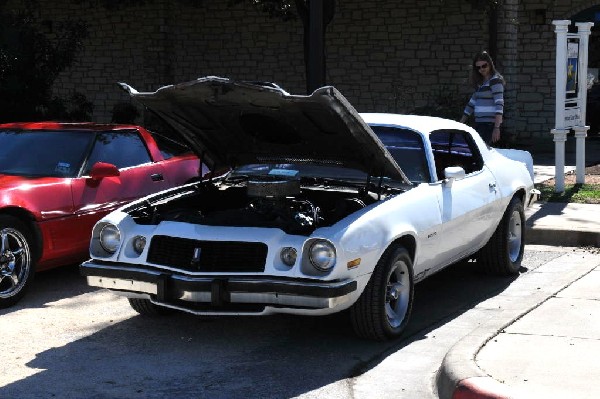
point(384, 307)
point(503, 253)
point(146, 308)
point(16, 260)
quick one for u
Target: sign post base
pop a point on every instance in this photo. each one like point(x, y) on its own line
point(560, 138)
point(580, 135)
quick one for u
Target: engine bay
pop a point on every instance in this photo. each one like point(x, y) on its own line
point(288, 205)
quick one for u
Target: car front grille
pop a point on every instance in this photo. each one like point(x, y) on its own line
point(207, 256)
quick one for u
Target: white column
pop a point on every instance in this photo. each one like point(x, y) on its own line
point(580, 135)
point(560, 138)
point(561, 28)
point(583, 30)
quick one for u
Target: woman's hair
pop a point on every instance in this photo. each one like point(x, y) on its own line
point(475, 78)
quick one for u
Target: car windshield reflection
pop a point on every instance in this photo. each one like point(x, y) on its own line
point(43, 153)
point(311, 174)
point(299, 171)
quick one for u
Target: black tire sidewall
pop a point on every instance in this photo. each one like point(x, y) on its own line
point(368, 313)
point(495, 254)
point(146, 308)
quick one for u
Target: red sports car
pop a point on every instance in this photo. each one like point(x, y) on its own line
point(58, 179)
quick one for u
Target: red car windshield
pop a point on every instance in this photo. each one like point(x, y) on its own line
point(43, 153)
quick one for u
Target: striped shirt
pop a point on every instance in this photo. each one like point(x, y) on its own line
point(487, 101)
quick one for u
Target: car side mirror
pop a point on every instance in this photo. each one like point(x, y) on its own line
point(101, 170)
point(452, 173)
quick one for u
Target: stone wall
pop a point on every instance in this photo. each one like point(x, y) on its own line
point(384, 56)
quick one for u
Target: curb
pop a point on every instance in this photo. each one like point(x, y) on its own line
point(562, 224)
point(459, 376)
point(481, 388)
point(561, 237)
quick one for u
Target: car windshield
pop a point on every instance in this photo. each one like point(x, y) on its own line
point(43, 153)
point(405, 145)
point(408, 150)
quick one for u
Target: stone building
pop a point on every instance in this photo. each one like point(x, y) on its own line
point(384, 56)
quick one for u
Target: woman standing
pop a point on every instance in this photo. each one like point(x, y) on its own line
point(487, 102)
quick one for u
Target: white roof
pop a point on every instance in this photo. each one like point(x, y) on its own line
point(424, 124)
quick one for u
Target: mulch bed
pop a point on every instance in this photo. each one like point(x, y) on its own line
point(592, 176)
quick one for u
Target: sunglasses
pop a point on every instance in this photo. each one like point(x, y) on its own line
point(482, 66)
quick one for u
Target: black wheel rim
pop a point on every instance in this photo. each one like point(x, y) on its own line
point(15, 262)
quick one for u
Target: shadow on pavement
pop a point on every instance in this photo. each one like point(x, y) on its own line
point(274, 357)
point(52, 285)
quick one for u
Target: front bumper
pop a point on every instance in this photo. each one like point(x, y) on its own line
point(219, 293)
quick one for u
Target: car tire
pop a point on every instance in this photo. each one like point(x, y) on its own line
point(383, 309)
point(146, 308)
point(16, 260)
point(503, 253)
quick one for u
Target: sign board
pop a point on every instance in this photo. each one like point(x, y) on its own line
point(572, 117)
point(571, 95)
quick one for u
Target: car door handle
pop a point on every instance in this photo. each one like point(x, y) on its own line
point(157, 177)
point(493, 186)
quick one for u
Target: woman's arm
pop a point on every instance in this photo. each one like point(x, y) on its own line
point(498, 94)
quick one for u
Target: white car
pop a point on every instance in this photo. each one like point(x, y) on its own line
point(322, 209)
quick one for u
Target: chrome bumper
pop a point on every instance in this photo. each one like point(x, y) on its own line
point(219, 292)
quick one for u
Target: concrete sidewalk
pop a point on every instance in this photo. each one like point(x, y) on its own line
point(545, 344)
point(544, 341)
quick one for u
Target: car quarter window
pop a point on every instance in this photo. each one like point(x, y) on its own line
point(407, 148)
point(453, 147)
point(120, 148)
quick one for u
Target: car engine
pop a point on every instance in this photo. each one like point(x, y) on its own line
point(277, 203)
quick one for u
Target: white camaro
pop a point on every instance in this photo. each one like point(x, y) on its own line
point(322, 209)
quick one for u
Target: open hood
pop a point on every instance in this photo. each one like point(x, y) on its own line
point(229, 124)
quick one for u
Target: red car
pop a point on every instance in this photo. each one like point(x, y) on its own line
point(58, 179)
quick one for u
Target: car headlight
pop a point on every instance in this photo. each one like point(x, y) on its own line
point(110, 238)
point(322, 255)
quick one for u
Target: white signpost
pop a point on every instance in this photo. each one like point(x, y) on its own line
point(571, 96)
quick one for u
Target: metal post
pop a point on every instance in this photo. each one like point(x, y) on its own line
point(560, 133)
